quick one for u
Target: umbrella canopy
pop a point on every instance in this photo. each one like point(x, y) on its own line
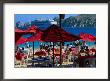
point(19, 33)
point(18, 30)
point(33, 29)
point(87, 37)
point(36, 37)
point(21, 40)
point(57, 34)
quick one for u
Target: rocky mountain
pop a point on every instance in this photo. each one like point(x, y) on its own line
point(82, 20)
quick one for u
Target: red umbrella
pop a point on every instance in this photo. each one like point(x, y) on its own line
point(18, 34)
point(21, 40)
point(33, 29)
point(87, 37)
point(57, 34)
point(29, 30)
point(35, 37)
point(18, 30)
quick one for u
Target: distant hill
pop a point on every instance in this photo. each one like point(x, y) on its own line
point(82, 20)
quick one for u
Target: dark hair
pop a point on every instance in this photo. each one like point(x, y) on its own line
point(86, 47)
point(70, 49)
point(67, 44)
point(22, 48)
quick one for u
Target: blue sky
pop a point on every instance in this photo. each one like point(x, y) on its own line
point(30, 17)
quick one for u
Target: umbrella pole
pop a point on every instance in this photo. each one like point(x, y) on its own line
point(33, 54)
point(60, 53)
point(53, 54)
point(60, 42)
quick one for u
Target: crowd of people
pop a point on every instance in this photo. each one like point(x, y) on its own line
point(65, 55)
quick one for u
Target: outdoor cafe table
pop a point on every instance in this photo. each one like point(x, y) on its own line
point(41, 60)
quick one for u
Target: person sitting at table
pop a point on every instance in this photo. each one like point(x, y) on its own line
point(87, 51)
point(92, 52)
point(82, 53)
point(40, 57)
